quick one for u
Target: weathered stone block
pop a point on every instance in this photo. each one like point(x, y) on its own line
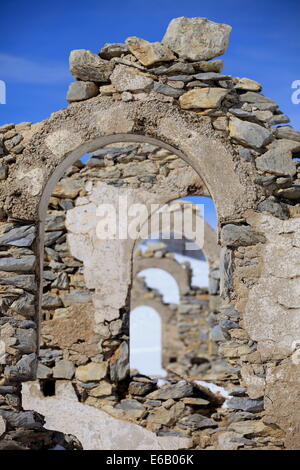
point(92, 371)
point(126, 78)
point(240, 235)
point(248, 133)
point(79, 91)
point(197, 38)
point(202, 98)
point(85, 65)
point(148, 53)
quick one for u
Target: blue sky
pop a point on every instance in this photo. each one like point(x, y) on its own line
point(37, 37)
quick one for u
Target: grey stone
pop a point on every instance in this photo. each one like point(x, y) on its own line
point(255, 98)
point(240, 415)
point(240, 235)
point(66, 204)
point(153, 402)
point(238, 391)
point(61, 282)
point(284, 181)
point(129, 79)
point(55, 221)
point(4, 389)
point(197, 38)
point(217, 335)
point(119, 364)
point(180, 68)
point(3, 171)
point(179, 390)
point(180, 78)
point(148, 53)
point(13, 142)
point(265, 180)
point(195, 422)
point(24, 369)
point(109, 51)
point(240, 113)
point(19, 236)
point(170, 432)
point(51, 301)
point(213, 286)
point(25, 264)
point(48, 356)
point(27, 341)
point(249, 134)
point(196, 84)
point(113, 151)
point(292, 193)
point(85, 65)
point(287, 132)
point(51, 237)
point(227, 325)
point(130, 405)
point(79, 91)
point(23, 419)
point(246, 154)
point(226, 270)
point(43, 372)
point(140, 388)
point(64, 370)
point(279, 119)
point(24, 281)
point(245, 404)
point(278, 159)
point(167, 90)
point(211, 76)
point(75, 297)
point(274, 208)
point(26, 324)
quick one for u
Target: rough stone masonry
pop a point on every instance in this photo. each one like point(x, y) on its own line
point(172, 95)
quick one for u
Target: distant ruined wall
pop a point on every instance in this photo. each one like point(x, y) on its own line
point(168, 94)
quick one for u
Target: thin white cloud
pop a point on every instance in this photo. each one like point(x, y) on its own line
point(21, 70)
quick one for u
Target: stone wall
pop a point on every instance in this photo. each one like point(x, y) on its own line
point(220, 125)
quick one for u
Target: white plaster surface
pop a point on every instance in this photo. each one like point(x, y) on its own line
point(95, 429)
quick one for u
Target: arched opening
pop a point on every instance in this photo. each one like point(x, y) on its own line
point(164, 282)
point(146, 341)
point(85, 324)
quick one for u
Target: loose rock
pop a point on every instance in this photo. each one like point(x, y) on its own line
point(148, 53)
point(197, 38)
point(85, 65)
point(202, 98)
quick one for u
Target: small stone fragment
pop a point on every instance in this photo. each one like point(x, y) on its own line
point(247, 84)
point(148, 53)
point(179, 390)
point(109, 51)
point(79, 91)
point(64, 370)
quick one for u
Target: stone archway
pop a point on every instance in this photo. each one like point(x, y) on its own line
point(223, 130)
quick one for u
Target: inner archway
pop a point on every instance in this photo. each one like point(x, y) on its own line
point(146, 341)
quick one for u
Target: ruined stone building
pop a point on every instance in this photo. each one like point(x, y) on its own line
point(151, 123)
